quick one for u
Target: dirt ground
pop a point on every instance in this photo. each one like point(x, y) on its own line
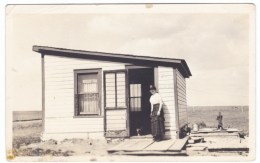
point(26, 142)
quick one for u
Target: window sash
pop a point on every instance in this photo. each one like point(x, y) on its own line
point(115, 89)
point(87, 92)
point(88, 103)
point(135, 97)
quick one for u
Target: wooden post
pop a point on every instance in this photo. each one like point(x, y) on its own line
point(176, 103)
point(156, 82)
point(43, 92)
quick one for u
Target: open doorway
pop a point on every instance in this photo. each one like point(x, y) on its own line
point(139, 104)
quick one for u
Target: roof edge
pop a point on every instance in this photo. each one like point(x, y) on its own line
point(45, 50)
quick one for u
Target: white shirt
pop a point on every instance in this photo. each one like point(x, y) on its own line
point(155, 99)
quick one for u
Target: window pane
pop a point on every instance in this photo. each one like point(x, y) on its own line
point(135, 97)
point(87, 83)
point(135, 90)
point(110, 90)
point(88, 103)
point(135, 104)
point(120, 78)
point(88, 94)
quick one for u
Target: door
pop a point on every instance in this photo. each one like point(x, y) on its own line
point(139, 95)
point(115, 102)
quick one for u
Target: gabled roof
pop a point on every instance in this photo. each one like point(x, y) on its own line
point(180, 64)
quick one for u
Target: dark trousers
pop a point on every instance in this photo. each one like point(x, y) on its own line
point(157, 123)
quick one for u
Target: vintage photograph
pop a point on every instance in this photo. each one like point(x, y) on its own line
point(130, 82)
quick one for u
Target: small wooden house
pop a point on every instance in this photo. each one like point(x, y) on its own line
point(88, 94)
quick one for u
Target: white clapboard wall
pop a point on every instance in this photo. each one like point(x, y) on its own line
point(181, 99)
point(59, 98)
point(166, 90)
point(59, 95)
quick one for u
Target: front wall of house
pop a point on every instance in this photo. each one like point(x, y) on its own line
point(59, 119)
point(166, 90)
point(59, 98)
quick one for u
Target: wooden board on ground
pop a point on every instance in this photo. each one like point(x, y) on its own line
point(179, 144)
point(198, 148)
point(205, 130)
point(195, 140)
point(142, 137)
point(213, 130)
point(227, 145)
point(140, 145)
point(213, 134)
point(232, 130)
point(215, 149)
point(124, 145)
point(197, 145)
point(160, 146)
point(153, 153)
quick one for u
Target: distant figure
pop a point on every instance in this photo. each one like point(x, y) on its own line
point(219, 119)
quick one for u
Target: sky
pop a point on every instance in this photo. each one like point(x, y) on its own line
point(214, 42)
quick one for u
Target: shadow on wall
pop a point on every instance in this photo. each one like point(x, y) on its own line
point(26, 115)
point(167, 120)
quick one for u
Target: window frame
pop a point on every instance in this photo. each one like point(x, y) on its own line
point(135, 109)
point(99, 82)
point(116, 107)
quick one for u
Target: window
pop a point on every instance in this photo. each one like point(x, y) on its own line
point(87, 92)
point(135, 97)
point(115, 89)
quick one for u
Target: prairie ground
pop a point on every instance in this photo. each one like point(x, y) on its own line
point(232, 117)
point(27, 135)
point(27, 142)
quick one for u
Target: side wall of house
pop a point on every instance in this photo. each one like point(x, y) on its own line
point(59, 119)
point(181, 99)
point(167, 92)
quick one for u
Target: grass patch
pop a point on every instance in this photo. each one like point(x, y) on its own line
point(232, 118)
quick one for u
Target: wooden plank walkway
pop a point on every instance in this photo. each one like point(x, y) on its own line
point(163, 145)
point(154, 153)
point(150, 147)
point(142, 137)
point(220, 141)
point(127, 143)
point(228, 144)
point(214, 134)
point(140, 145)
point(179, 144)
point(213, 130)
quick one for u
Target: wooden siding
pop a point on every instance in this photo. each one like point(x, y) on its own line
point(166, 90)
point(181, 98)
point(110, 90)
point(59, 95)
point(116, 119)
point(121, 89)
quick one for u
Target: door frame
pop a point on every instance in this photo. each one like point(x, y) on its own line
point(127, 67)
point(131, 67)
